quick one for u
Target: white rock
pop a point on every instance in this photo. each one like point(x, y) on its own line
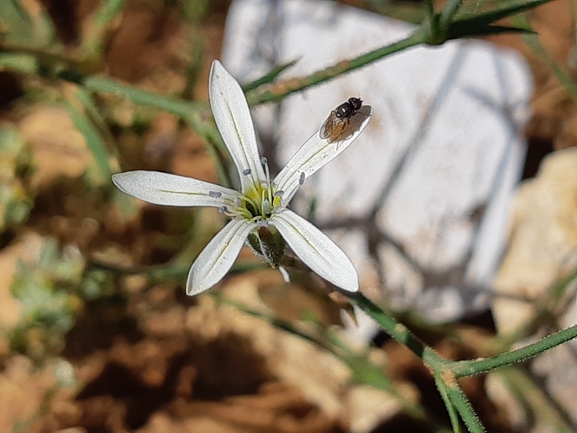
point(427, 186)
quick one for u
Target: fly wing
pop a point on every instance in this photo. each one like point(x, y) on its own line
point(333, 127)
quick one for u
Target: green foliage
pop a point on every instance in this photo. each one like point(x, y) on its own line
point(482, 24)
point(52, 290)
point(44, 288)
point(16, 166)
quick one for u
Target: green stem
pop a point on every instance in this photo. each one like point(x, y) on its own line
point(453, 415)
point(277, 91)
point(472, 367)
point(398, 331)
point(468, 415)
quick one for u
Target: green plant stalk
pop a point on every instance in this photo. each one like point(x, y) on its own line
point(398, 331)
point(473, 367)
point(180, 108)
point(197, 114)
point(269, 77)
point(277, 91)
point(459, 400)
point(453, 415)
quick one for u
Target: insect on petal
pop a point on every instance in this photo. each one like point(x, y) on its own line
point(316, 152)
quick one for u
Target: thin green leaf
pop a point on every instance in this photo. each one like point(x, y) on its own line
point(479, 21)
point(94, 142)
point(448, 12)
point(469, 25)
point(178, 107)
point(13, 21)
point(108, 11)
point(538, 48)
point(486, 31)
point(26, 25)
point(93, 127)
point(96, 28)
point(269, 77)
point(366, 372)
point(44, 32)
point(20, 63)
point(94, 114)
point(411, 12)
point(194, 113)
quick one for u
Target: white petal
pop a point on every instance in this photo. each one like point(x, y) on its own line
point(172, 190)
point(316, 250)
point(232, 117)
point(315, 153)
point(218, 256)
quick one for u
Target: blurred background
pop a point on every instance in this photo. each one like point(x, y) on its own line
point(96, 332)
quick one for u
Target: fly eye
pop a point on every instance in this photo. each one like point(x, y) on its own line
point(356, 103)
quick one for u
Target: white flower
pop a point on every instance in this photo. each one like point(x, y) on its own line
point(260, 201)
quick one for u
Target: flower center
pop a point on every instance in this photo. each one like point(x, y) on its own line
point(259, 203)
